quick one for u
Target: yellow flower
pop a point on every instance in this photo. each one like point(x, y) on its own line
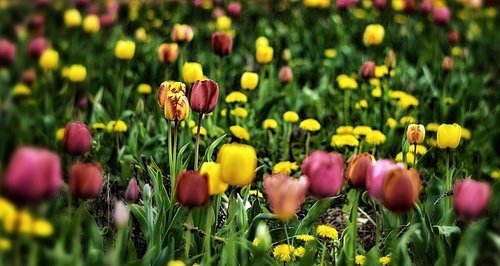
point(408, 101)
point(144, 88)
point(448, 136)
point(24, 222)
point(141, 34)
point(256, 242)
point(264, 54)
point(344, 140)
point(21, 90)
point(375, 82)
point(305, 238)
point(310, 124)
point(42, 228)
point(239, 112)
point(255, 192)
point(465, 133)
point(384, 260)
point(5, 244)
point(182, 33)
point(362, 104)
point(407, 120)
point(239, 132)
point(249, 80)
point(347, 83)
point(285, 167)
point(203, 131)
point(192, 72)
point(432, 142)
point(176, 263)
point(345, 130)
point(391, 122)
point(495, 174)
point(72, 18)
point(375, 137)
point(373, 35)
point(330, 53)
point(283, 252)
point(381, 71)
point(261, 41)
point(359, 259)
point(400, 19)
point(410, 157)
point(299, 252)
point(448, 100)
point(124, 50)
point(49, 59)
point(238, 163)
point(60, 134)
point(176, 107)
point(223, 23)
point(91, 23)
point(359, 131)
point(291, 117)
point(223, 112)
point(327, 232)
point(397, 94)
point(77, 73)
point(120, 127)
point(421, 149)
point(236, 97)
point(98, 126)
point(359, 13)
point(270, 124)
point(397, 5)
point(432, 127)
point(456, 51)
point(215, 183)
point(7, 209)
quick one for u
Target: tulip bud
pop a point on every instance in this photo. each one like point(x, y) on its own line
point(447, 64)
point(49, 59)
point(169, 87)
point(470, 198)
point(37, 46)
point(176, 107)
point(107, 21)
point(426, 6)
point(453, 37)
point(375, 177)
point(85, 180)
point(448, 136)
point(373, 35)
point(358, 169)
point(286, 74)
point(216, 185)
point(91, 23)
point(264, 54)
point(36, 25)
point(121, 214)
point(124, 50)
point(286, 55)
point(217, 12)
point(380, 4)
point(409, 6)
point(168, 52)
point(7, 53)
point(285, 194)
point(77, 139)
point(132, 192)
point(415, 133)
point(182, 33)
point(249, 80)
point(222, 43)
point(441, 16)
point(237, 163)
point(192, 72)
point(29, 77)
point(147, 191)
point(264, 237)
point(72, 18)
point(204, 96)
point(368, 70)
point(324, 172)
point(234, 8)
point(390, 60)
point(77, 73)
point(192, 189)
point(32, 175)
point(401, 189)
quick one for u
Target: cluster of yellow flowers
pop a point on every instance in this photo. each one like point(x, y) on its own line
point(75, 73)
point(404, 99)
point(361, 259)
point(73, 19)
point(263, 52)
point(287, 253)
point(350, 136)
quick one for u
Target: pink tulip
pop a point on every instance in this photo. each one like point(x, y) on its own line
point(380, 4)
point(324, 172)
point(343, 4)
point(368, 70)
point(375, 177)
point(37, 46)
point(285, 194)
point(7, 53)
point(441, 15)
point(234, 9)
point(132, 192)
point(217, 12)
point(77, 139)
point(426, 6)
point(286, 74)
point(470, 198)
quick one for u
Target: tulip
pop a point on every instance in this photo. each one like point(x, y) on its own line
point(215, 184)
point(49, 59)
point(91, 23)
point(380, 4)
point(390, 60)
point(72, 18)
point(107, 21)
point(324, 172)
point(448, 136)
point(401, 189)
point(176, 107)
point(132, 192)
point(36, 25)
point(192, 189)
point(285, 194)
point(373, 35)
point(182, 33)
point(264, 54)
point(249, 80)
point(222, 43)
point(368, 70)
point(409, 5)
point(217, 12)
point(234, 9)
point(77, 73)
point(169, 87)
point(426, 6)
point(223, 23)
point(124, 50)
point(358, 169)
point(85, 180)
point(470, 198)
point(204, 96)
point(32, 175)
point(121, 214)
point(7, 53)
point(286, 74)
point(77, 139)
point(447, 64)
point(453, 37)
point(441, 16)
point(28, 77)
point(168, 52)
point(375, 176)
point(415, 133)
point(237, 163)
point(344, 4)
point(37, 46)
point(192, 72)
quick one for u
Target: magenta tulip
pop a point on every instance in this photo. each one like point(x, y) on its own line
point(7, 53)
point(441, 15)
point(204, 96)
point(234, 9)
point(324, 172)
point(37, 46)
point(77, 139)
point(470, 198)
point(132, 192)
point(426, 6)
point(375, 177)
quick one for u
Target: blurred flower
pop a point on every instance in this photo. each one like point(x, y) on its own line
point(373, 35)
point(120, 127)
point(432, 127)
point(192, 189)
point(470, 198)
point(368, 70)
point(344, 4)
point(121, 214)
point(216, 185)
point(36, 47)
point(91, 23)
point(341, 140)
point(375, 176)
point(421, 149)
point(269, 124)
point(305, 238)
point(240, 132)
point(144, 88)
point(49, 59)
point(358, 131)
point(236, 97)
point(204, 96)
point(390, 60)
point(495, 174)
point(283, 253)
point(347, 83)
point(407, 120)
point(42, 228)
point(141, 34)
point(264, 54)
point(176, 107)
point(60, 134)
point(286, 55)
point(291, 116)
point(360, 259)
point(223, 23)
point(415, 134)
point(98, 126)
point(326, 231)
point(249, 80)
point(375, 137)
point(234, 8)
point(5, 244)
point(77, 73)
point(286, 74)
point(465, 133)
point(391, 122)
point(72, 18)
point(441, 15)
point(168, 52)
point(447, 64)
point(410, 157)
point(324, 172)
point(239, 112)
point(285, 167)
point(448, 136)
point(285, 194)
point(357, 169)
point(32, 175)
point(203, 131)
point(77, 139)
point(330, 53)
point(21, 90)
point(381, 71)
point(176, 263)
point(132, 191)
point(85, 181)
point(124, 50)
point(261, 41)
point(238, 163)
point(310, 124)
point(453, 37)
point(379, 4)
point(222, 43)
point(28, 77)
point(401, 189)
point(384, 260)
point(192, 72)
point(169, 87)
point(182, 33)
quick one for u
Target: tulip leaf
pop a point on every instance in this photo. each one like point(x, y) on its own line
point(210, 151)
point(314, 213)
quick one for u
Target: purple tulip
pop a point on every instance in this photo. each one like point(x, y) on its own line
point(324, 172)
point(204, 96)
point(470, 198)
point(375, 177)
point(77, 139)
point(7, 53)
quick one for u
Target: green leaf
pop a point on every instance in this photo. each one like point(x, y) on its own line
point(314, 213)
point(210, 151)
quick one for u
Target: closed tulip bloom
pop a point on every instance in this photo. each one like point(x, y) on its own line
point(192, 72)
point(28, 77)
point(77, 73)
point(373, 35)
point(91, 23)
point(285, 194)
point(237, 163)
point(124, 50)
point(132, 192)
point(286, 74)
point(182, 33)
point(234, 9)
point(222, 43)
point(441, 16)
point(215, 183)
point(264, 54)
point(380, 4)
point(426, 6)
point(176, 107)
point(470, 198)
point(357, 169)
point(448, 136)
point(37, 46)
point(168, 52)
point(85, 181)
point(32, 175)
point(36, 24)
point(121, 214)
point(447, 64)
point(72, 18)
point(453, 37)
point(324, 172)
point(368, 70)
point(107, 21)
point(169, 87)
point(415, 133)
point(204, 96)
point(49, 59)
point(77, 139)
point(192, 189)
point(390, 60)
point(7, 53)
point(375, 177)
point(401, 189)
point(249, 80)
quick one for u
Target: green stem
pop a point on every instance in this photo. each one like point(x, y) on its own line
point(354, 222)
point(308, 140)
point(415, 156)
point(290, 146)
point(197, 146)
point(448, 181)
point(382, 107)
point(170, 160)
point(323, 254)
point(187, 244)
point(378, 234)
point(286, 233)
point(347, 96)
point(176, 140)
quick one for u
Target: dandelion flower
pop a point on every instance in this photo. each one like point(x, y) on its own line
point(327, 232)
point(270, 124)
point(291, 117)
point(285, 167)
point(283, 252)
point(236, 97)
point(360, 259)
point(384, 260)
point(239, 112)
point(240, 132)
point(375, 137)
point(305, 238)
point(311, 125)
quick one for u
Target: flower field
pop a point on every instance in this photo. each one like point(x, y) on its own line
point(263, 132)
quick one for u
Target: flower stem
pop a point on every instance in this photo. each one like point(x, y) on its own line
point(448, 181)
point(347, 96)
point(308, 140)
point(170, 159)
point(197, 146)
point(187, 246)
point(415, 156)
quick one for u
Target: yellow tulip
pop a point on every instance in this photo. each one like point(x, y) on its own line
point(91, 24)
point(264, 54)
point(223, 23)
point(249, 80)
point(373, 35)
point(448, 136)
point(192, 72)
point(72, 18)
point(238, 163)
point(176, 107)
point(125, 49)
point(77, 73)
point(216, 185)
point(49, 59)
point(261, 41)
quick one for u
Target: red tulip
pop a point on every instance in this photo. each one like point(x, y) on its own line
point(32, 175)
point(285, 194)
point(37, 46)
point(222, 43)
point(85, 180)
point(28, 77)
point(368, 70)
point(204, 96)
point(409, 5)
point(358, 169)
point(192, 189)
point(401, 189)
point(453, 37)
point(286, 74)
point(470, 198)
point(375, 177)
point(441, 15)
point(77, 139)
point(324, 172)
point(132, 192)
point(7, 53)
